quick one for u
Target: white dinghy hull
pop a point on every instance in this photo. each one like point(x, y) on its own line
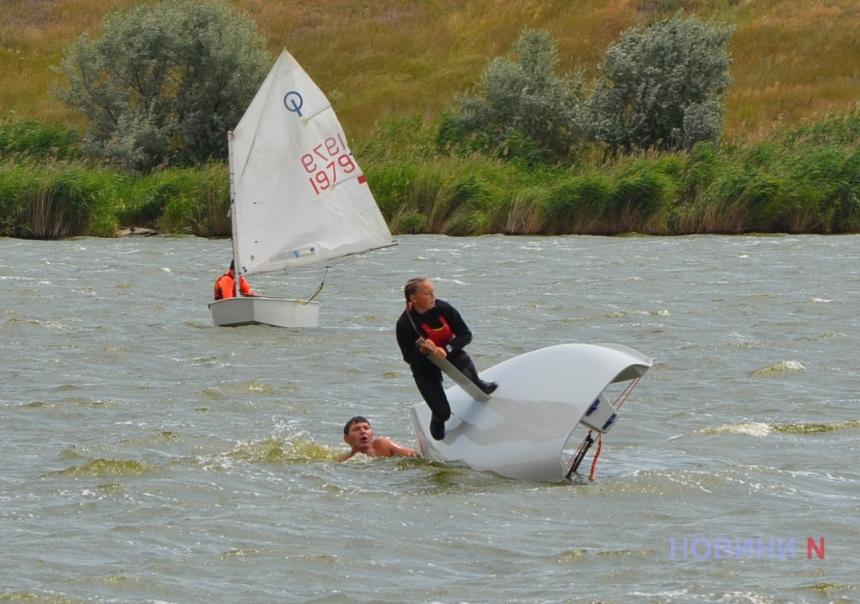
point(542, 396)
point(277, 312)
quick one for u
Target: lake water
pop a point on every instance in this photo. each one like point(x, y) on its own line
point(149, 457)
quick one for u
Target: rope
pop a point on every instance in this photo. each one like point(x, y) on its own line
point(316, 293)
point(411, 320)
point(623, 396)
point(596, 457)
point(577, 458)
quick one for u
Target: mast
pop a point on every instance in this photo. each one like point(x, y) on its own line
point(233, 220)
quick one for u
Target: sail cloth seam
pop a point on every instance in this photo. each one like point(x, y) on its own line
point(307, 119)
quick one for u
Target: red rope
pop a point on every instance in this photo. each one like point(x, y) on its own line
point(580, 453)
point(596, 457)
point(627, 391)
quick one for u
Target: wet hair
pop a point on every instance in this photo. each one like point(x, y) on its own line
point(412, 286)
point(232, 265)
point(355, 420)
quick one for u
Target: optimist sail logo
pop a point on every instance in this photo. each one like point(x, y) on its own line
point(294, 101)
point(723, 548)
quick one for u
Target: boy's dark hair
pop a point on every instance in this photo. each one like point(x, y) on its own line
point(355, 420)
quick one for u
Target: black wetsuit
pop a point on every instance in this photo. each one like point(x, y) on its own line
point(428, 377)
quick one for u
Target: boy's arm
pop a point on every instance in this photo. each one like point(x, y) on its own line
point(388, 448)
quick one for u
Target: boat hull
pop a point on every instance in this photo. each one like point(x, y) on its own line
point(542, 396)
point(257, 310)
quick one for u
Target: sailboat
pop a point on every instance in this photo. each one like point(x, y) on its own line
point(520, 431)
point(298, 196)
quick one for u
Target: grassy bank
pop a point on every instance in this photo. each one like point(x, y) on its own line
point(804, 180)
point(799, 180)
point(49, 191)
point(392, 68)
point(794, 61)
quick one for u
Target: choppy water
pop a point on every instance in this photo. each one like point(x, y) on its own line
point(146, 456)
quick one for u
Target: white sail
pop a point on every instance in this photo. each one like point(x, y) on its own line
point(299, 196)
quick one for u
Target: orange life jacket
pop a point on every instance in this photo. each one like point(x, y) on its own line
point(441, 335)
point(225, 287)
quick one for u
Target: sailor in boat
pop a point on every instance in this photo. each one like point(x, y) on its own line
point(358, 434)
point(225, 286)
point(431, 326)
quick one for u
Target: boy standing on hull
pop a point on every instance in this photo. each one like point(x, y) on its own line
point(430, 326)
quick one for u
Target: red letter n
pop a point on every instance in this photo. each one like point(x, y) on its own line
point(810, 547)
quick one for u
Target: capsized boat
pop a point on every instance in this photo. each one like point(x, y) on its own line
point(298, 196)
point(520, 431)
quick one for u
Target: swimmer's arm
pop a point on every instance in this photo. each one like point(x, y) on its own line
point(389, 448)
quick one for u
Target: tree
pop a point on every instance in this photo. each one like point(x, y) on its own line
point(662, 87)
point(164, 84)
point(524, 105)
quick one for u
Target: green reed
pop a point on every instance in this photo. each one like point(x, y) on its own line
point(802, 180)
point(52, 200)
point(193, 201)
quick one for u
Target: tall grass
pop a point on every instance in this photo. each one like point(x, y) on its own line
point(801, 180)
point(794, 62)
point(52, 200)
point(804, 180)
point(181, 201)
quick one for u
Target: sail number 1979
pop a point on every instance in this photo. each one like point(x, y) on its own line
point(325, 161)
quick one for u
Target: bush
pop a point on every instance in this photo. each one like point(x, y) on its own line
point(521, 109)
point(164, 84)
point(662, 87)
